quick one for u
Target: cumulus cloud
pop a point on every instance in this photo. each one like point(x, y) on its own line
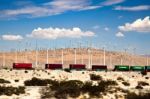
point(133, 8)
point(54, 33)
point(12, 37)
point(139, 25)
point(120, 34)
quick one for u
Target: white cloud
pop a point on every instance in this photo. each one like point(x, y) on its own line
point(26, 11)
point(120, 34)
point(51, 8)
point(12, 37)
point(139, 25)
point(111, 2)
point(106, 29)
point(54, 7)
point(134, 8)
point(54, 33)
point(64, 5)
point(90, 7)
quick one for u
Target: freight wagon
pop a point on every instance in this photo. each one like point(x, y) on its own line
point(77, 66)
point(22, 65)
point(137, 68)
point(53, 66)
point(147, 68)
point(99, 67)
point(121, 68)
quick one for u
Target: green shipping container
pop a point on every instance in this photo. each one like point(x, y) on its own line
point(122, 68)
point(137, 68)
point(147, 68)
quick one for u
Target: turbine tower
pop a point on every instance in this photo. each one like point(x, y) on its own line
point(47, 56)
point(62, 56)
point(104, 55)
point(75, 57)
point(36, 56)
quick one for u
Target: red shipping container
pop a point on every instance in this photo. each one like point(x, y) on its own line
point(22, 65)
point(53, 66)
point(77, 66)
point(99, 67)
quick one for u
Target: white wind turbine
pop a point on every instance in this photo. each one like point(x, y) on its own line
point(36, 55)
point(62, 56)
point(104, 55)
point(4, 58)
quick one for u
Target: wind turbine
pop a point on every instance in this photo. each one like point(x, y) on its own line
point(121, 60)
point(26, 53)
point(147, 59)
point(91, 55)
point(83, 48)
point(36, 55)
point(100, 59)
point(104, 55)
point(75, 57)
point(16, 56)
point(134, 53)
point(89, 58)
point(110, 59)
point(62, 56)
point(47, 55)
point(3, 58)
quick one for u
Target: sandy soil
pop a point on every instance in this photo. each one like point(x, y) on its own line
point(34, 92)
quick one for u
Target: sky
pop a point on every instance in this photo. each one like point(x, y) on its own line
point(114, 24)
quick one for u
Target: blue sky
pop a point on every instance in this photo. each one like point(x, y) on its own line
point(63, 23)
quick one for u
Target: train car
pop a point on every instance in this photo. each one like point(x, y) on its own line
point(22, 65)
point(121, 68)
point(137, 68)
point(99, 67)
point(53, 66)
point(147, 68)
point(77, 66)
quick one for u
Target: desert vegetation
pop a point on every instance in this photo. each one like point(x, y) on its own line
point(120, 79)
point(74, 88)
point(142, 83)
point(126, 83)
point(4, 81)
point(95, 77)
point(11, 90)
point(67, 70)
point(38, 82)
point(137, 96)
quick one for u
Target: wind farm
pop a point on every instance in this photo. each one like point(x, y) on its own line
point(74, 49)
point(66, 56)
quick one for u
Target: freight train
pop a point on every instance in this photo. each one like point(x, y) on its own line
point(83, 67)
